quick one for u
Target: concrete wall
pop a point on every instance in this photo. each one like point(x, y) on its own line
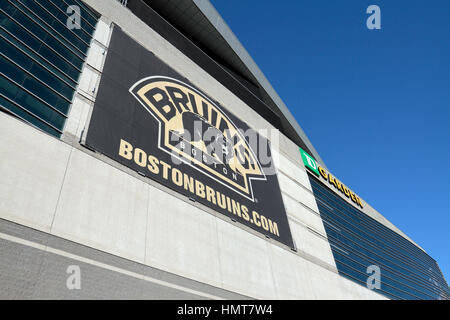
point(71, 193)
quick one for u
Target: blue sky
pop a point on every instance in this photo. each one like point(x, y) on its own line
point(375, 103)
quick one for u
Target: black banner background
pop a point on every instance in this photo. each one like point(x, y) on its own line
point(118, 115)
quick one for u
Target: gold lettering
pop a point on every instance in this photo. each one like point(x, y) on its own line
point(323, 173)
point(221, 200)
point(273, 227)
point(331, 180)
point(125, 149)
point(140, 157)
point(210, 195)
point(236, 207)
point(177, 177)
point(358, 201)
point(352, 195)
point(229, 204)
point(166, 168)
point(245, 213)
point(153, 164)
point(199, 189)
point(346, 191)
point(339, 185)
point(264, 223)
point(188, 183)
point(256, 218)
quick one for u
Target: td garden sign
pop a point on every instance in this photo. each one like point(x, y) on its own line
point(312, 165)
point(149, 118)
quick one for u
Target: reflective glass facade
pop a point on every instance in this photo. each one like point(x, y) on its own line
point(358, 241)
point(41, 59)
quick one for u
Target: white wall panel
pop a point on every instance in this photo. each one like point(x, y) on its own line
point(78, 115)
point(102, 207)
point(32, 166)
point(294, 171)
point(102, 31)
point(311, 243)
point(96, 55)
point(302, 214)
point(182, 238)
point(296, 191)
point(244, 262)
point(88, 82)
point(291, 275)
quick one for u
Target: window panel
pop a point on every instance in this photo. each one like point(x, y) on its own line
point(41, 60)
point(17, 75)
point(62, 18)
point(85, 23)
point(86, 13)
point(35, 69)
point(52, 26)
point(407, 272)
point(33, 105)
point(26, 116)
point(34, 29)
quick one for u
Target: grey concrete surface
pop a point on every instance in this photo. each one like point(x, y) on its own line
point(34, 265)
point(103, 207)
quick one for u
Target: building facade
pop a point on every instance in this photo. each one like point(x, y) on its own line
point(144, 155)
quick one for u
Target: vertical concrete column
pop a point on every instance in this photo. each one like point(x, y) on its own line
point(87, 88)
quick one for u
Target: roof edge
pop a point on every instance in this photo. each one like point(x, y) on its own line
point(210, 12)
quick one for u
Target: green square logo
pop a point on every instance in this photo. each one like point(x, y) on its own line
point(309, 162)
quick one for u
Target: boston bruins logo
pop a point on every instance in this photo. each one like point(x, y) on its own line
point(194, 130)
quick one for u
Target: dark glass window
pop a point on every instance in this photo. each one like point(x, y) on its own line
point(13, 93)
point(32, 85)
point(51, 25)
point(358, 241)
point(13, 55)
point(41, 59)
point(25, 115)
point(86, 13)
point(16, 22)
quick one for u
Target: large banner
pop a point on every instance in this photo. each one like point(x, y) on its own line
point(152, 120)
